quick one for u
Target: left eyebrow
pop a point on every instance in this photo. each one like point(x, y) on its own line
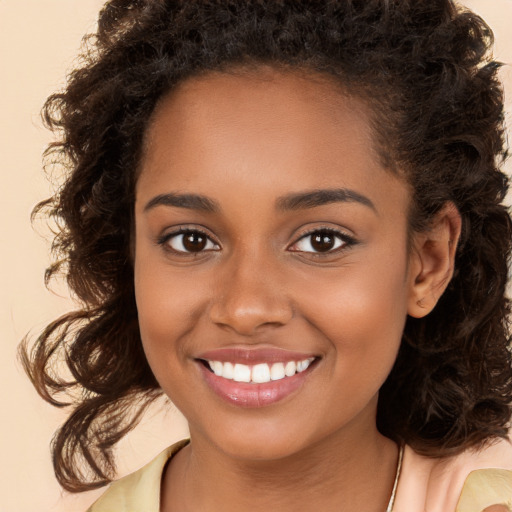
point(188, 201)
point(314, 198)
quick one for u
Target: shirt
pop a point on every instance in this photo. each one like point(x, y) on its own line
point(468, 482)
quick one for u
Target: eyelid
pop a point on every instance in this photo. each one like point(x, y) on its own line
point(164, 239)
point(348, 241)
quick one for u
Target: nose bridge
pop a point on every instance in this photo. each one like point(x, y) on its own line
point(250, 292)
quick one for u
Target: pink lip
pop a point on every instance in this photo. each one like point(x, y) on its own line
point(244, 394)
point(253, 356)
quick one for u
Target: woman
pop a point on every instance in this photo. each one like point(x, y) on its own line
point(286, 216)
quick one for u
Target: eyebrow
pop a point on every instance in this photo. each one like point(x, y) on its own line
point(297, 201)
point(314, 198)
point(189, 201)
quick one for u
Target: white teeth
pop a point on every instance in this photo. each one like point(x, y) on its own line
point(303, 365)
point(216, 366)
point(277, 371)
point(259, 373)
point(290, 368)
point(242, 373)
point(228, 371)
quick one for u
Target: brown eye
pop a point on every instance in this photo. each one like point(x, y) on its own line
point(321, 241)
point(190, 242)
point(194, 242)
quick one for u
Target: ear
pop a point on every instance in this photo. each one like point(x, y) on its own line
point(432, 261)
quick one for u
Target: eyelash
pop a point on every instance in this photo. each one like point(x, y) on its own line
point(164, 241)
point(344, 241)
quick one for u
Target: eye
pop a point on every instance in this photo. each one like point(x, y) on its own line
point(189, 241)
point(321, 241)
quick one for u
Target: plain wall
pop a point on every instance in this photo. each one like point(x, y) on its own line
point(38, 41)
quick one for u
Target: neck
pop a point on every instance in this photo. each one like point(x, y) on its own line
point(340, 473)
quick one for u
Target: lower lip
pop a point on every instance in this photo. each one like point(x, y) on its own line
point(244, 394)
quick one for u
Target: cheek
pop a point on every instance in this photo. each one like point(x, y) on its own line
point(363, 312)
point(165, 312)
point(167, 304)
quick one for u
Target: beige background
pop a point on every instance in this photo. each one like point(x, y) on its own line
point(38, 40)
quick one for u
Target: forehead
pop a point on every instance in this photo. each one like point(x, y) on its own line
point(264, 97)
point(297, 131)
point(297, 90)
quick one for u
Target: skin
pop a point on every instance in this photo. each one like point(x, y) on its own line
point(246, 140)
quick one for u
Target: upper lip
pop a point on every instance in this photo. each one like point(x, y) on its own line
point(254, 356)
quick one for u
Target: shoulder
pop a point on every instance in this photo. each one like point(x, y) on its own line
point(468, 482)
point(140, 490)
point(484, 488)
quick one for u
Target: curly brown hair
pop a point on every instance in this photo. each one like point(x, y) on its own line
point(425, 69)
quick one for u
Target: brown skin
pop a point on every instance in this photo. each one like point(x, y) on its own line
point(245, 141)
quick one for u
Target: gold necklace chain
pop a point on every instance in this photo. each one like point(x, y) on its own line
point(395, 485)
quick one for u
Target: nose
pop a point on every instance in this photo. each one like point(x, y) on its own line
point(250, 297)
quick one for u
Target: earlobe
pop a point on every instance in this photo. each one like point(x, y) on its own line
point(432, 261)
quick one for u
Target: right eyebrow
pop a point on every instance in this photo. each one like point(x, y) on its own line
point(189, 201)
point(314, 198)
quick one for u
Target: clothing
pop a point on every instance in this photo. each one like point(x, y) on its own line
point(469, 482)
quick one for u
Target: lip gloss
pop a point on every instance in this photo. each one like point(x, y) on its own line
point(254, 394)
point(254, 355)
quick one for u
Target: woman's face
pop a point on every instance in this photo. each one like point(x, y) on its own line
point(269, 238)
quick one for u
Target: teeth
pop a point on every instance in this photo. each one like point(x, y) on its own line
point(259, 373)
point(290, 369)
point(302, 365)
point(216, 366)
point(242, 373)
point(228, 371)
point(277, 371)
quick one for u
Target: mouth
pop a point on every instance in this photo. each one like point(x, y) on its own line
point(259, 373)
point(255, 378)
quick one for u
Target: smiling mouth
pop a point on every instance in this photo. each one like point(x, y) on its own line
point(255, 377)
point(261, 373)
